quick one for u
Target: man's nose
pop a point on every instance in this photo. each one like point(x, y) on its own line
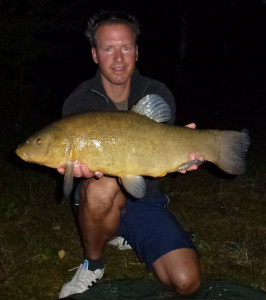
point(118, 55)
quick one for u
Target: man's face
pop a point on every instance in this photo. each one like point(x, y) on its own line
point(116, 53)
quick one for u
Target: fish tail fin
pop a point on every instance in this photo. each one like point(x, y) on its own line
point(68, 180)
point(233, 147)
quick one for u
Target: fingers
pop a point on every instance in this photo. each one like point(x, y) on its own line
point(61, 170)
point(192, 168)
point(85, 172)
point(77, 171)
point(98, 174)
point(81, 170)
point(191, 125)
point(183, 171)
point(192, 156)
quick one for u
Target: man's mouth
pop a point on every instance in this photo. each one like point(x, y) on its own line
point(118, 69)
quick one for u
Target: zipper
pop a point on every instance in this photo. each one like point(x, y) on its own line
point(106, 99)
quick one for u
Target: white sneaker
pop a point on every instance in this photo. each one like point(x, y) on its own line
point(82, 280)
point(120, 242)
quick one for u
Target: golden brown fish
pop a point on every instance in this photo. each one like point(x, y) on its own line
point(132, 144)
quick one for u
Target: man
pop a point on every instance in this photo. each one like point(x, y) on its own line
point(104, 210)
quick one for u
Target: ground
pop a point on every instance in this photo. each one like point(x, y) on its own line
point(225, 216)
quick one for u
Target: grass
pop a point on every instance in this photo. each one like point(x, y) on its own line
point(225, 215)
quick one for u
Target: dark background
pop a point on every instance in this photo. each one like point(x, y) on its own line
point(210, 53)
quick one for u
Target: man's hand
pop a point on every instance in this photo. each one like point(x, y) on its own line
point(191, 125)
point(81, 170)
point(192, 156)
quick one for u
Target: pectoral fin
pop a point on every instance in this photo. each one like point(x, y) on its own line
point(134, 185)
point(68, 179)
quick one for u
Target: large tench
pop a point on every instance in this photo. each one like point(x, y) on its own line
point(132, 144)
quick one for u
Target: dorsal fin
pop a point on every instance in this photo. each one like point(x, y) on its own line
point(153, 107)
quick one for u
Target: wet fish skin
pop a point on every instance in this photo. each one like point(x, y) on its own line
point(125, 143)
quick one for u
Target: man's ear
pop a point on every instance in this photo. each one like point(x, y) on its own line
point(137, 53)
point(94, 55)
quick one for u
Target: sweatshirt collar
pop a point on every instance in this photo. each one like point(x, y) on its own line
point(137, 86)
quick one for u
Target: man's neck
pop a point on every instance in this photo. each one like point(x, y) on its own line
point(116, 92)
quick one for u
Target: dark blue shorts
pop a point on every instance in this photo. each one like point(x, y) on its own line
point(151, 229)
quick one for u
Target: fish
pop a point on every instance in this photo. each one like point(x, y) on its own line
point(132, 144)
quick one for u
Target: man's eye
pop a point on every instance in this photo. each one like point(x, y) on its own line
point(39, 141)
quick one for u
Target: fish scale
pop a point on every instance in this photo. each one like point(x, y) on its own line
point(129, 145)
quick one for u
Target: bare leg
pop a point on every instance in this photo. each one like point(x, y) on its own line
point(101, 202)
point(180, 270)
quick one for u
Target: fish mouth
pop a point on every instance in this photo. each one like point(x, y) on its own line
point(22, 155)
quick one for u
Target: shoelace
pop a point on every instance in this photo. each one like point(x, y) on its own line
point(72, 269)
point(83, 277)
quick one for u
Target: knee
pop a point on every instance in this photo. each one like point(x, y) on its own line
point(180, 270)
point(97, 195)
point(186, 286)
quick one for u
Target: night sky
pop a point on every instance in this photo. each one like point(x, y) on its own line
point(211, 54)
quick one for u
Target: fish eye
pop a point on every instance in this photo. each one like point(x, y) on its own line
point(39, 141)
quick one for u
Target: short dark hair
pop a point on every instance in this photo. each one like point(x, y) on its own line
point(111, 17)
